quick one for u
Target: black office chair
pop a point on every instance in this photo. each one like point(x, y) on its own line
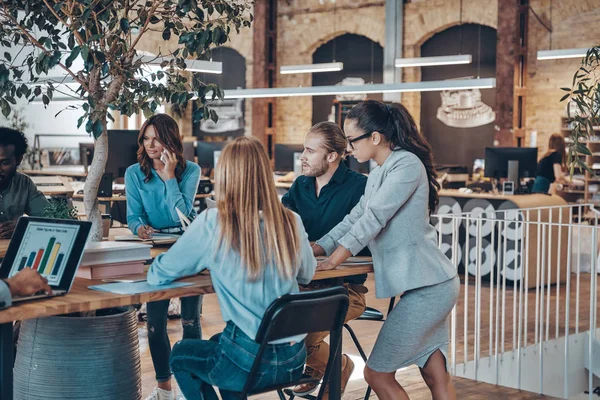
point(295, 314)
point(370, 314)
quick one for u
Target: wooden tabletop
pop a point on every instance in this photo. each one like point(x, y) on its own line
point(80, 298)
point(124, 198)
point(57, 172)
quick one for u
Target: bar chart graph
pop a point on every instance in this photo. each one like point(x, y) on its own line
point(46, 249)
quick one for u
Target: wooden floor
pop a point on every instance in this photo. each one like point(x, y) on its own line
point(410, 378)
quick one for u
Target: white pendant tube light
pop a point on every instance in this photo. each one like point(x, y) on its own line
point(208, 67)
point(559, 54)
point(428, 86)
point(431, 61)
point(310, 68)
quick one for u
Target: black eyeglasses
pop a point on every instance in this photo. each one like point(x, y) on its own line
point(350, 141)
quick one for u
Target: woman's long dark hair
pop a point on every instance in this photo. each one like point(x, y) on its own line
point(167, 133)
point(398, 127)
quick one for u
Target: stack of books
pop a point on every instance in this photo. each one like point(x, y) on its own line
point(111, 259)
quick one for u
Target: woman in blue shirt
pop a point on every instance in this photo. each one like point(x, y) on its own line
point(256, 251)
point(160, 183)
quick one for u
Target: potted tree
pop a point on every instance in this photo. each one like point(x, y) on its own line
point(96, 43)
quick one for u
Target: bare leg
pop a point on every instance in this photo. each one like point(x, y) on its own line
point(385, 385)
point(437, 377)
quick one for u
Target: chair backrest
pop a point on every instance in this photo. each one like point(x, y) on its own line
point(306, 312)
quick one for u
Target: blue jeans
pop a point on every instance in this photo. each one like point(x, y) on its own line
point(541, 185)
point(225, 361)
point(158, 339)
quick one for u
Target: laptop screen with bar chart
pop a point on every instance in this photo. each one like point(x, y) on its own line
point(53, 247)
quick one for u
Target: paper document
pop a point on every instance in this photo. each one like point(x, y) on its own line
point(352, 260)
point(136, 287)
point(156, 237)
point(185, 221)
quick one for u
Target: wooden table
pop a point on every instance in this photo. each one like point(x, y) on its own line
point(79, 298)
point(54, 172)
point(124, 198)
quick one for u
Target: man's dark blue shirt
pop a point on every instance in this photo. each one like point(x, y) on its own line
point(336, 199)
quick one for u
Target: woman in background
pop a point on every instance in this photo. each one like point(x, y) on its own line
point(256, 251)
point(392, 219)
point(161, 182)
point(552, 166)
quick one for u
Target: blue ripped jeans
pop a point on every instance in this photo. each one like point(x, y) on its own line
point(225, 361)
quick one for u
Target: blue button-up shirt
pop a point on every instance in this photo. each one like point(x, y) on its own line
point(242, 301)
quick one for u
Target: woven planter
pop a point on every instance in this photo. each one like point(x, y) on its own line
point(79, 358)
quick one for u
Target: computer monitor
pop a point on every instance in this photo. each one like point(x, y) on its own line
point(189, 151)
point(122, 151)
point(208, 153)
point(497, 161)
point(287, 156)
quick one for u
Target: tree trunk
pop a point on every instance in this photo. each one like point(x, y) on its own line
point(92, 182)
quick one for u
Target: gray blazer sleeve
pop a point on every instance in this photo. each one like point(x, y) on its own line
point(397, 187)
point(329, 242)
point(5, 298)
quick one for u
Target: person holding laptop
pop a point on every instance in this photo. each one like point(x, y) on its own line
point(18, 193)
point(325, 193)
point(156, 187)
point(256, 251)
point(24, 283)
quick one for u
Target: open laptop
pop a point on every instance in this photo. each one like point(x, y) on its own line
point(53, 247)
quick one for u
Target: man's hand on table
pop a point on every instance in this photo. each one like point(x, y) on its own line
point(326, 265)
point(6, 229)
point(27, 282)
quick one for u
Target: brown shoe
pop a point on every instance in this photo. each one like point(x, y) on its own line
point(308, 388)
point(347, 369)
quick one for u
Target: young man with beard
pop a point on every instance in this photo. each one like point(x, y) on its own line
point(18, 193)
point(325, 193)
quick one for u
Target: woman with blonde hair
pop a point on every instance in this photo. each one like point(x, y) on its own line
point(552, 166)
point(256, 251)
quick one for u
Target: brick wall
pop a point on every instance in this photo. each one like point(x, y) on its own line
point(303, 25)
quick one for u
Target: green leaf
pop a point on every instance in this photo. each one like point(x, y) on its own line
point(85, 52)
point(80, 121)
point(45, 99)
point(213, 116)
point(7, 56)
point(124, 24)
point(74, 54)
point(582, 149)
point(166, 35)
point(97, 129)
point(5, 108)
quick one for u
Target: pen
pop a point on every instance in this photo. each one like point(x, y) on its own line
point(144, 225)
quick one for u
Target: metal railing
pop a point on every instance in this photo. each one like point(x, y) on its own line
point(530, 296)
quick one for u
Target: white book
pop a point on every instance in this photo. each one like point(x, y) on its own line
point(98, 253)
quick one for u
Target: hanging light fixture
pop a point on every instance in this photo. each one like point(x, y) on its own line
point(556, 54)
point(430, 61)
point(208, 67)
point(310, 68)
point(319, 67)
point(328, 90)
point(560, 54)
point(437, 60)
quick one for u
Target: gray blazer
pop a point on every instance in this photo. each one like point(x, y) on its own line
point(392, 218)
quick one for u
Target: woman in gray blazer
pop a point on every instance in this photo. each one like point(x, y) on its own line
point(392, 219)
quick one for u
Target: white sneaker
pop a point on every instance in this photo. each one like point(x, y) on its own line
point(161, 394)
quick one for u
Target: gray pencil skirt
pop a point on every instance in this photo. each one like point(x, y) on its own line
point(416, 327)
